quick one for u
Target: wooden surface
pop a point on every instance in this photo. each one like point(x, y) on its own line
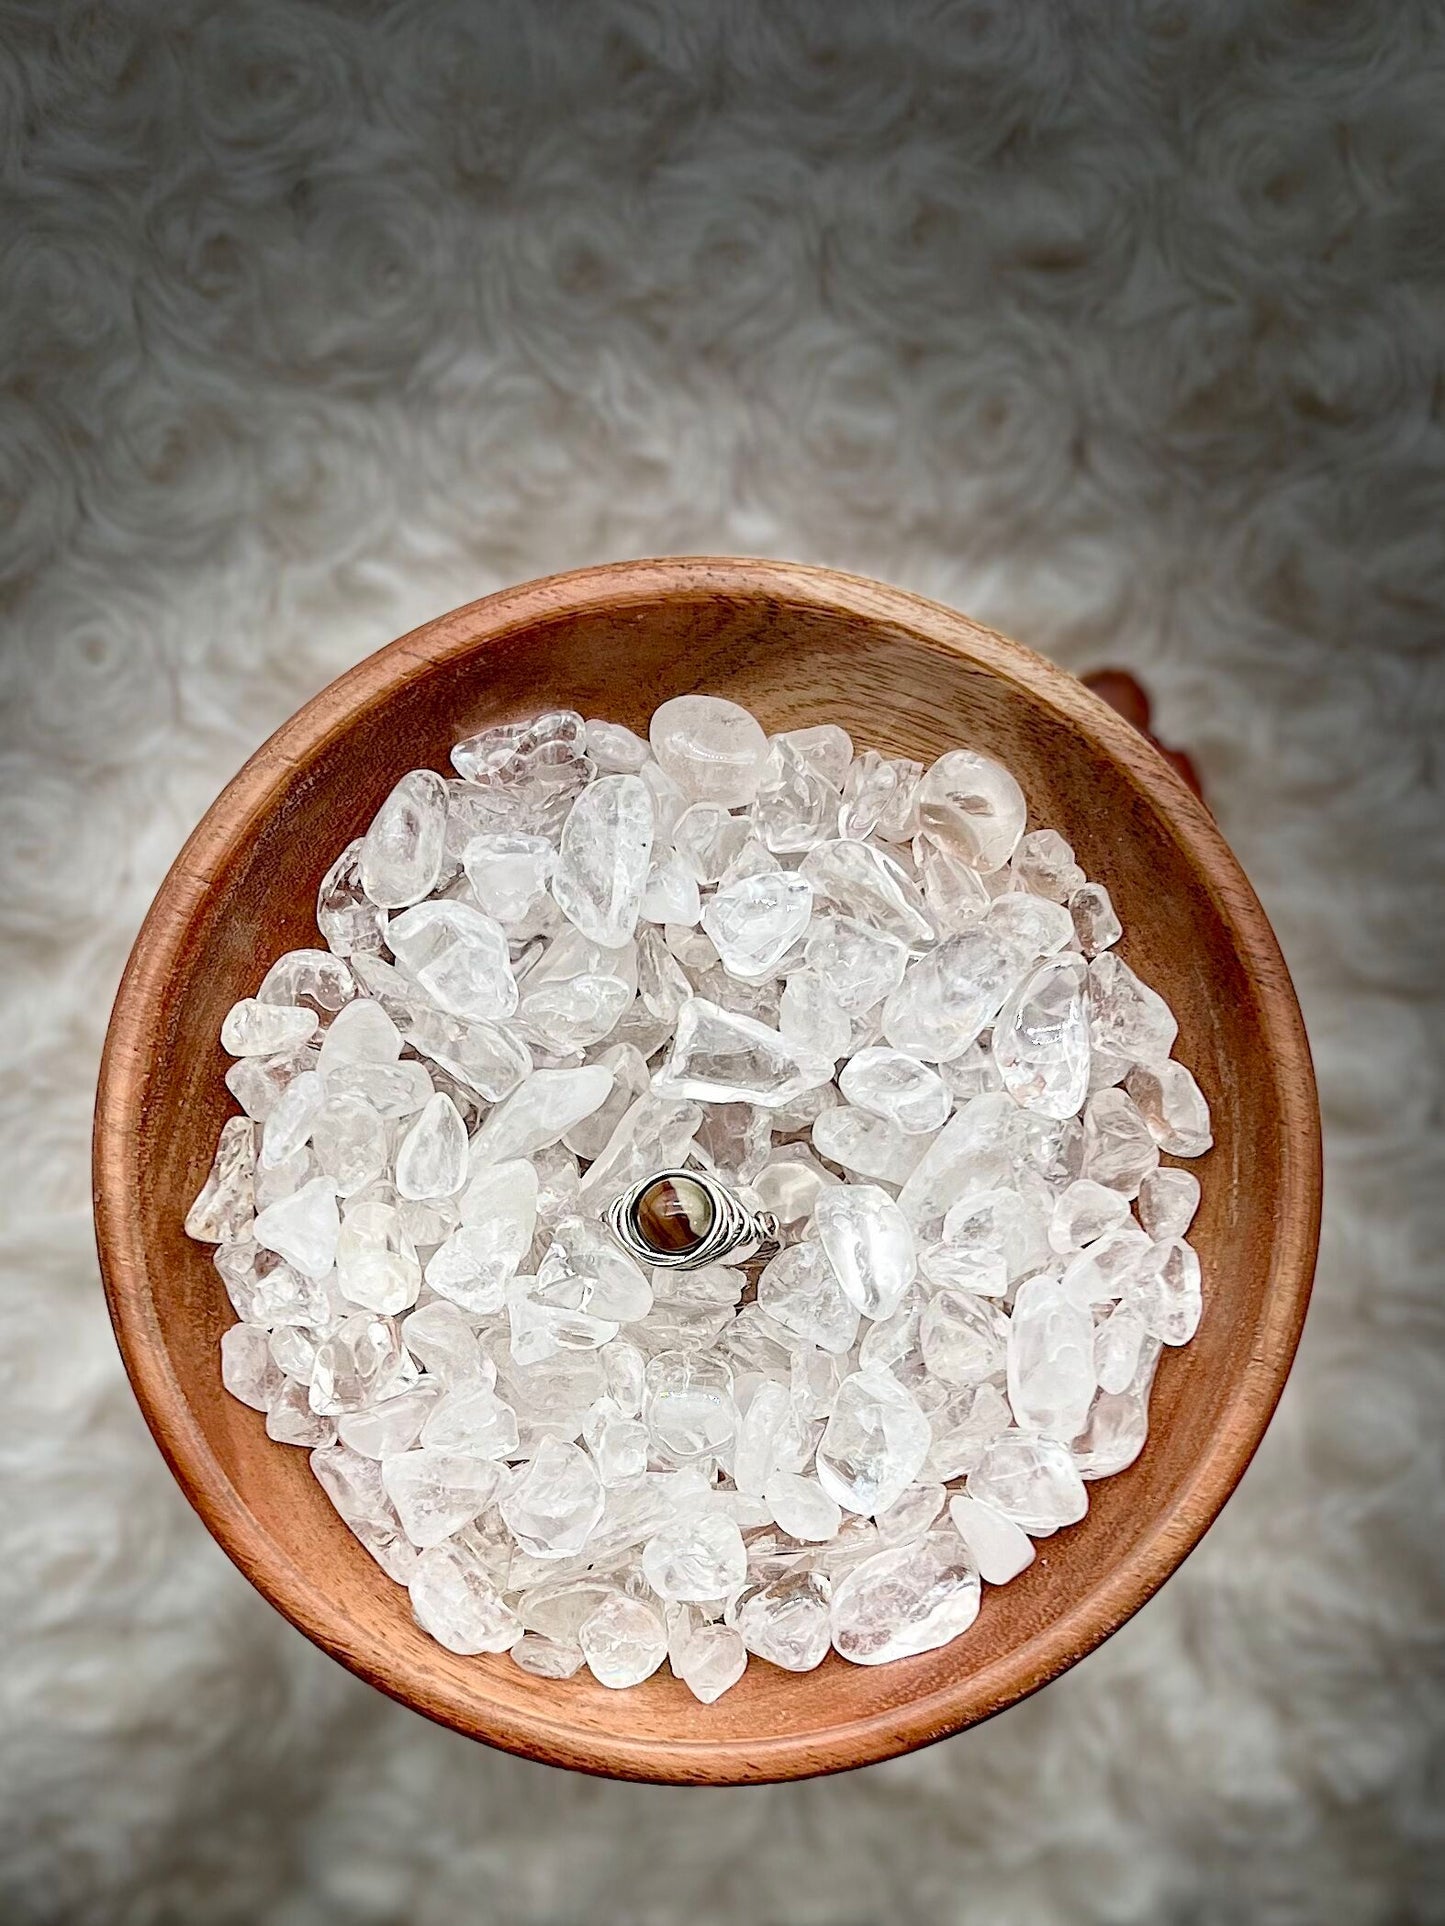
point(798, 646)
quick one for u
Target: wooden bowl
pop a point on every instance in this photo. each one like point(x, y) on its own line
point(797, 645)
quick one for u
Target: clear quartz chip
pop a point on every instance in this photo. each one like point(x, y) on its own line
point(437, 1492)
point(362, 1032)
point(308, 977)
point(897, 1087)
point(874, 1445)
point(1033, 1481)
point(540, 1112)
point(401, 854)
point(1051, 1380)
point(288, 1127)
point(867, 1146)
point(700, 1556)
point(1165, 1291)
point(801, 1507)
point(455, 1599)
point(869, 1244)
point(353, 1484)
point(708, 1658)
point(1127, 1018)
point(951, 994)
point(720, 1056)
point(857, 965)
point(688, 1405)
point(998, 1547)
point(604, 859)
point(248, 1370)
point(1173, 1106)
point(1095, 924)
point(1119, 1148)
point(459, 959)
point(431, 1159)
point(863, 882)
point(1083, 1211)
point(785, 1621)
point(376, 1261)
point(225, 1204)
point(349, 1139)
point(964, 1338)
point(360, 1362)
point(624, 1641)
point(800, 1290)
point(903, 1601)
point(755, 922)
point(1044, 863)
point(256, 1029)
point(713, 749)
point(509, 872)
point(972, 808)
point(302, 1228)
point(1041, 1040)
point(556, 1504)
point(345, 915)
point(1168, 1199)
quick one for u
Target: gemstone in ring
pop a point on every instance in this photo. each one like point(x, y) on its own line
point(681, 1219)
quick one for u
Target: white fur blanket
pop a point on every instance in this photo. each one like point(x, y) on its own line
point(1116, 325)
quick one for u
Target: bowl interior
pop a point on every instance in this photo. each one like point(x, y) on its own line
point(797, 647)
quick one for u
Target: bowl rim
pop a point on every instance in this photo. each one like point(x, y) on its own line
point(1121, 1590)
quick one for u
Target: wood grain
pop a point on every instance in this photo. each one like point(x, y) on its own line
point(798, 645)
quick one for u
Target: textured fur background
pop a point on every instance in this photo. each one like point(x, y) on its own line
point(1119, 326)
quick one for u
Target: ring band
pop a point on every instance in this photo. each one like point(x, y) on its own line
point(682, 1219)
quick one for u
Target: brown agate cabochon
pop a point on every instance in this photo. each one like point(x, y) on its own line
point(673, 1215)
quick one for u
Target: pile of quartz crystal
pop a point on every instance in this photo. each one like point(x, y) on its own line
point(859, 992)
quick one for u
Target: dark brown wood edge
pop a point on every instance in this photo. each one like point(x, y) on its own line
point(485, 623)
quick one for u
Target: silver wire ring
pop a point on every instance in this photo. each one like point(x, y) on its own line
point(682, 1219)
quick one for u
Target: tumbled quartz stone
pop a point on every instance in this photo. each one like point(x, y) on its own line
point(709, 1659)
point(688, 1405)
point(484, 1057)
point(671, 894)
point(459, 959)
point(545, 1658)
point(1095, 924)
point(362, 1360)
point(719, 1056)
point(401, 853)
point(1168, 1199)
point(699, 1556)
point(1126, 1017)
point(259, 1083)
point(624, 1641)
point(225, 1204)
point(662, 983)
point(868, 1242)
point(897, 1087)
point(255, 1029)
point(1033, 1481)
point(998, 1547)
point(753, 923)
point(376, 1262)
point(1165, 1291)
point(606, 1281)
point(1041, 1040)
point(362, 1032)
point(713, 749)
point(858, 966)
point(248, 1370)
point(878, 795)
point(444, 1343)
point(957, 896)
point(615, 750)
point(523, 775)
point(619, 1445)
point(454, 1598)
point(786, 1621)
point(788, 1185)
point(867, 1146)
point(431, 1160)
point(437, 1492)
point(903, 1601)
point(1083, 1211)
point(655, 1133)
point(1173, 1106)
point(972, 808)
point(1119, 1149)
point(553, 1508)
point(874, 1445)
point(796, 800)
point(349, 1141)
point(471, 1419)
point(963, 1338)
point(308, 977)
point(801, 1507)
point(540, 1112)
point(800, 1290)
point(949, 995)
point(605, 855)
point(1044, 863)
point(290, 1420)
point(347, 918)
point(1002, 1223)
point(1117, 1344)
point(1051, 1381)
point(353, 1484)
point(1104, 1270)
point(302, 1228)
point(863, 882)
point(1118, 1424)
point(509, 872)
point(288, 1128)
